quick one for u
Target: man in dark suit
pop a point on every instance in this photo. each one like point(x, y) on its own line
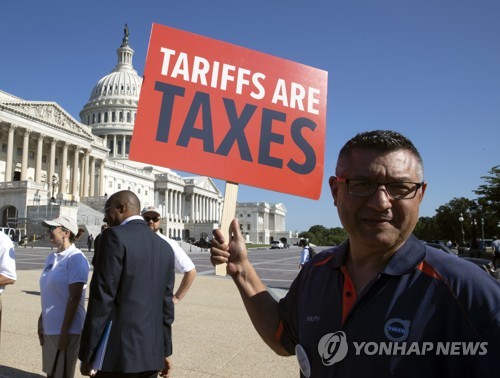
point(132, 288)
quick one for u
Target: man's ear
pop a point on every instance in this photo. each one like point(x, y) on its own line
point(333, 188)
point(122, 208)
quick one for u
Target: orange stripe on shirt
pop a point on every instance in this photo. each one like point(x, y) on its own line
point(429, 270)
point(279, 331)
point(348, 294)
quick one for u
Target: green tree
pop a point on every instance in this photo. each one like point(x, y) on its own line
point(447, 219)
point(320, 235)
point(426, 229)
point(489, 202)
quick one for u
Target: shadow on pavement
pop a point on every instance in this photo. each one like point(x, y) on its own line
point(9, 372)
point(31, 292)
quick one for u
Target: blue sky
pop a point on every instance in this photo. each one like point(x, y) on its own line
point(429, 69)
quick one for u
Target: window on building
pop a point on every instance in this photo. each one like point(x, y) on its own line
point(139, 191)
point(119, 186)
point(128, 117)
point(93, 118)
point(113, 117)
point(106, 117)
point(99, 118)
point(19, 151)
point(31, 155)
point(120, 118)
point(44, 158)
point(119, 147)
point(57, 161)
point(110, 184)
point(4, 147)
point(248, 227)
point(248, 215)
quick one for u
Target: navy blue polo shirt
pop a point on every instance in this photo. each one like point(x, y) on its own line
point(427, 314)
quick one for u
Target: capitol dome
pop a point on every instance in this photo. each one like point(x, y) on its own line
point(112, 106)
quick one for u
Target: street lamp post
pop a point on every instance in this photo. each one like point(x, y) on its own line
point(482, 229)
point(55, 181)
point(474, 245)
point(461, 220)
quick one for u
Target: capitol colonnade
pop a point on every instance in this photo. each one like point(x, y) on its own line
point(68, 170)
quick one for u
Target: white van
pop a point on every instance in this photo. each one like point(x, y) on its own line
point(15, 234)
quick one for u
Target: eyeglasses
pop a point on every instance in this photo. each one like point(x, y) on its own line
point(366, 188)
point(52, 228)
point(151, 219)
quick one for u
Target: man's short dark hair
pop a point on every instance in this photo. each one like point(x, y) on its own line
point(380, 140)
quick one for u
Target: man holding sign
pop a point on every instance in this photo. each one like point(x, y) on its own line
point(383, 303)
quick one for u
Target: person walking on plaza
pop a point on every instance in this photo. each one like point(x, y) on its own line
point(96, 244)
point(130, 295)
point(182, 261)
point(90, 240)
point(495, 249)
point(383, 303)
point(305, 255)
point(62, 293)
point(7, 268)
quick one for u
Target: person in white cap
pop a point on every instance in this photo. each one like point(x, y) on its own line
point(62, 292)
point(182, 261)
point(7, 266)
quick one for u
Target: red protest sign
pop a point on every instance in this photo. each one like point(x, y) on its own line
point(220, 110)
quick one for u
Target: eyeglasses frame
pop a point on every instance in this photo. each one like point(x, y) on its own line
point(417, 184)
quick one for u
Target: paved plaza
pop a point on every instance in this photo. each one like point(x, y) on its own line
point(213, 335)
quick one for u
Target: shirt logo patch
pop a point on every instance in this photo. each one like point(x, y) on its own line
point(332, 348)
point(396, 329)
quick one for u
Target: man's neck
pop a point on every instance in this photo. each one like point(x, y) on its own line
point(364, 265)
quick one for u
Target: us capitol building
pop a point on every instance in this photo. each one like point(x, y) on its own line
point(50, 164)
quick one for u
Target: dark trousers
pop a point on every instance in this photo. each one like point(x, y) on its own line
point(144, 374)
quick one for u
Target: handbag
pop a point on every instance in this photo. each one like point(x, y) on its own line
point(54, 366)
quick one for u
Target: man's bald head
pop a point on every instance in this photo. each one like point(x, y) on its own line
point(120, 206)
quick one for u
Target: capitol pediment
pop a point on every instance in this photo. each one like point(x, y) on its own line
point(203, 182)
point(49, 113)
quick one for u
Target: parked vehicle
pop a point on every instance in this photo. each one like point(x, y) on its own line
point(484, 264)
point(202, 243)
point(15, 234)
point(277, 244)
point(285, 243)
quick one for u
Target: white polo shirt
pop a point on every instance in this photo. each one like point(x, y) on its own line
point(61, 270)
point(182, 261)
point(7, 259)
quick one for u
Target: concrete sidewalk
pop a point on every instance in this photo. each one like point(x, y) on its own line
point(213, 335)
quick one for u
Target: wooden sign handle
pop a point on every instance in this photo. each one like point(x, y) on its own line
point(228, 213)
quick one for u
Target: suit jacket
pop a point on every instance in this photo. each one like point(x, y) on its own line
point(132, 285)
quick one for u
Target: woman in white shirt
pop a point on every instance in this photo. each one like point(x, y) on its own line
point(62, 291)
